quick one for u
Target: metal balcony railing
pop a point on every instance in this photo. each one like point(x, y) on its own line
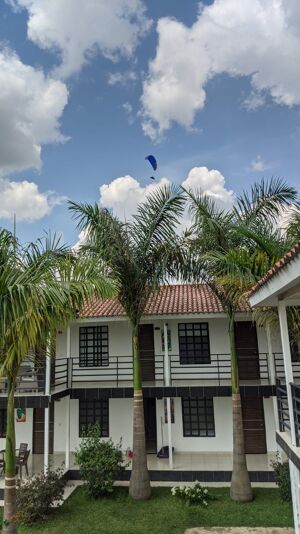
point(72, 372)
point(30, 379)
point(296, 408)
point(279, 366)
point(283, 407)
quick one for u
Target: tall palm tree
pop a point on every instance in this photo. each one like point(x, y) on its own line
point(41, 287)
point(141, 254)
point(231, 261)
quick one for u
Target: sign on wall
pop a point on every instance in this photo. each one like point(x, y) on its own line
point(21, 415)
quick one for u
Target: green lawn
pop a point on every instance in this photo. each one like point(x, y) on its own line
point(163, 514)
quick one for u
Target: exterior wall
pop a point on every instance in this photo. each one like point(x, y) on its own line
point(222, 441)
point(120, 352)
point(270, 424)
point(120, 423)
point(120, 426)
point(23, 431)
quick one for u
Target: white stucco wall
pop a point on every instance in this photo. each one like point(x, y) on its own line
point(23, 430)
point(120, 426)
point(270, 424)
point(120, 423)
point(223, 428)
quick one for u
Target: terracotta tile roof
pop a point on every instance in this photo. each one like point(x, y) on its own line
point(289, 256)
point(173, 299)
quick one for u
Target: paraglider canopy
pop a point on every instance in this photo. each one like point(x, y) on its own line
point(152, 161)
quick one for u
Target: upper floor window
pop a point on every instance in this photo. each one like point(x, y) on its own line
point(93, 346)
point(193, 343)
point(93, 412)
point(2, 422)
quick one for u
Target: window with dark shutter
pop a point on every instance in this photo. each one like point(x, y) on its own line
point(193, 343)
point(93, 346)
point(198, 417)
point(93, 412)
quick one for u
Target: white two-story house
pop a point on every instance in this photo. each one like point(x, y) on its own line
point(184, 351)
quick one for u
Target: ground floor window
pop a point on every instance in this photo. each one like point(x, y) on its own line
point(2, 422)
point(198, 417)
point(92, 412)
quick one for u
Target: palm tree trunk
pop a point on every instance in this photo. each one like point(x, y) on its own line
point(9, 525)
point(240, 489)
point(139, 487)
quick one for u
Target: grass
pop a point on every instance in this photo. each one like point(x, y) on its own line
point(162, 514)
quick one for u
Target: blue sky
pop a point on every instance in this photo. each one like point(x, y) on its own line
point(247, 125)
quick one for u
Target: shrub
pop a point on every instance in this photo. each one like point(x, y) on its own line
point(100, 462)
point(193, 494)
point(282, 478)
point(37, 495)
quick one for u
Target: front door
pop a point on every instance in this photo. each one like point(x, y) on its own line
point(147, 356)
point(150, 425)
point(247, 350)
point(254, 425)
point(39, 430)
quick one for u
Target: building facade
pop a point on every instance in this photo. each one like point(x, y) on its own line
point(186, 372)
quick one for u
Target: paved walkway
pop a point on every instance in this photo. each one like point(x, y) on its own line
point(239, 530)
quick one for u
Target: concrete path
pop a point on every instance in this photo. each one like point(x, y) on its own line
point(239, 530)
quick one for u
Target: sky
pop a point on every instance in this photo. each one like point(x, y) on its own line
point(88, 89)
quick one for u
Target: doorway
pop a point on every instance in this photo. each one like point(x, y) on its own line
point(39, 430)
point(254, 425)
point(247, 350)
point(150, 425)
point(147, 356)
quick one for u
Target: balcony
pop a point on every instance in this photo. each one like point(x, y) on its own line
point(67, 373)
point(70, 373)
point(30, 380)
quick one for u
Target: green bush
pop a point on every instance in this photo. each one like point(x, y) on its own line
point(100, 462)
point(193, 494)
point(282, 478)
point(37, 495)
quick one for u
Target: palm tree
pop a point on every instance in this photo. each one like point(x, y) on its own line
point(140, 254)
point(41, 287)
point(234, 250)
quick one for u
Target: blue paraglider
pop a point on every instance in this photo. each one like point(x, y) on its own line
point(152, 161)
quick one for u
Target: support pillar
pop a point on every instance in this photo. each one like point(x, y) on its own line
point(47, 410)
point(287, 360)
point(167, 384)
point(295, 486)
point(67, 455)
point(272, 374)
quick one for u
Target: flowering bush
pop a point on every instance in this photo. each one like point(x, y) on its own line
point(192, 494)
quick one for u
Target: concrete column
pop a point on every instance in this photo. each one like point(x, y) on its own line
point(287, 360)
point(272, 373)
point(294, 475)
point(47, 410)
point(67, 454)
point(167, 384)
point(46, 440)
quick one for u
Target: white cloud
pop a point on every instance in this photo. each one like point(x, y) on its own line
point(259, 39)
point(31, 105)
point(259, 165)
point(121, 78)
point(212, 183)
point(78, 29)
point(25, 200)
point(123, 194)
